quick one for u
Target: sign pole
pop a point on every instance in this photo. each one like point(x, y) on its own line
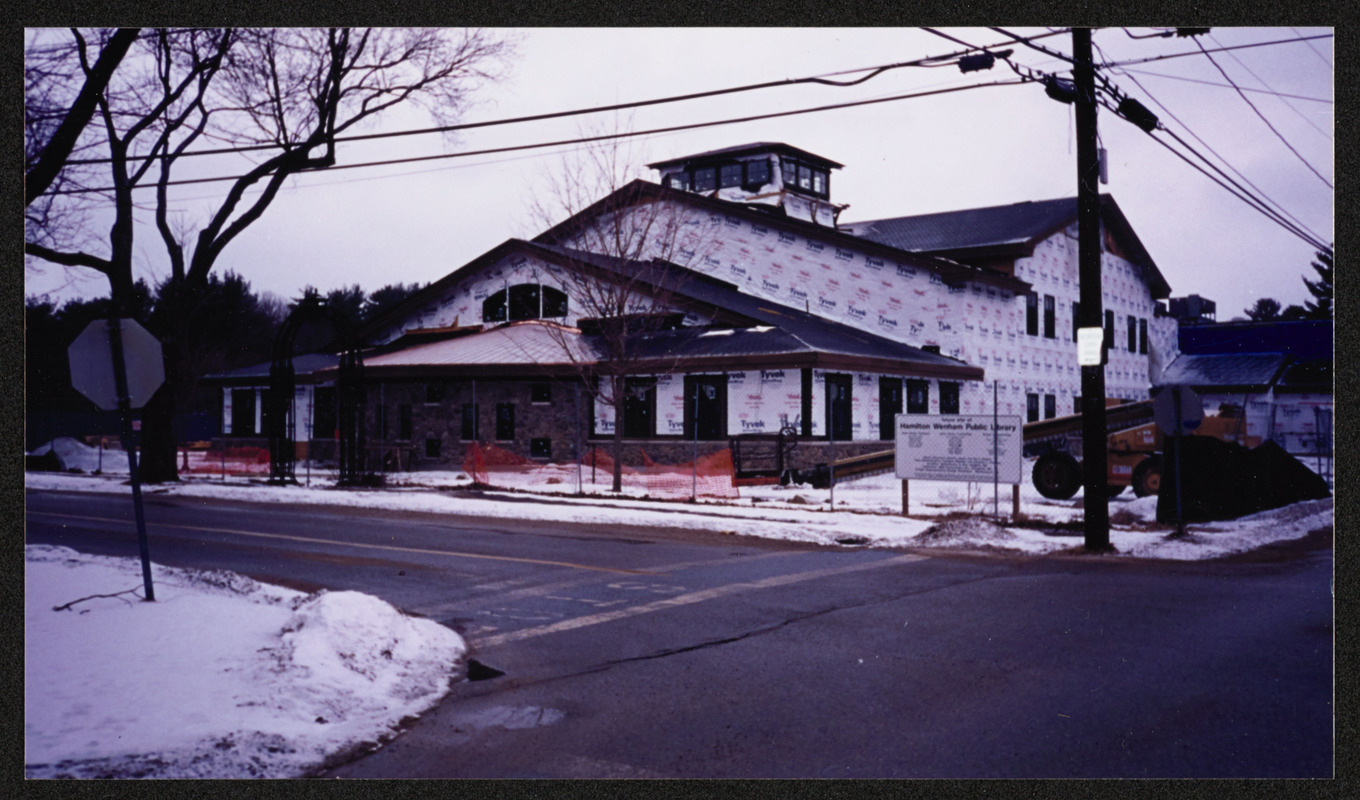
point(1180, 520)
point(125, 413)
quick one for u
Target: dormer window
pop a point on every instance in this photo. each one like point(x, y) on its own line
point(729, 175)
point(705, 179)
point(757, 173)
point(524, 301)
point(805, 178)
point(678, 180)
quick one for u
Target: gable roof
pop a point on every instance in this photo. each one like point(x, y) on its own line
point(1009, 231)
point(952, 272)
point(799, 338)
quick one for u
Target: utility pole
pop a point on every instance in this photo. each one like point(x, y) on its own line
point(1093, 443)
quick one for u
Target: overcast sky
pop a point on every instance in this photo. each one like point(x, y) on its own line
point(982, 147)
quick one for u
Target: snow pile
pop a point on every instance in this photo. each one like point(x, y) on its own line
point(221, 677)
point(75, 454)
point(966, 532)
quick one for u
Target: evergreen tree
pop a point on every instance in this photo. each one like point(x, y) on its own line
point(1265, 310)
point(1320, 307)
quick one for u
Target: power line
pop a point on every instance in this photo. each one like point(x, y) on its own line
point(582, 140)
point(1226, 86)
point(1278, 135)
point(1261, 81)
point(1215, 50)
point(822, 79)
point(1242, 195)
point(1216, 154)
point(1314, 49)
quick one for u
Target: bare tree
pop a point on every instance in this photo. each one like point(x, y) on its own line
point(287, 92)
point(627, 250)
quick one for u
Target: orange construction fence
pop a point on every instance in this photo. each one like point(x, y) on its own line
point(713, 475)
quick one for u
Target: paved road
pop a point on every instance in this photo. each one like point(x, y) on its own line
point(646, 653)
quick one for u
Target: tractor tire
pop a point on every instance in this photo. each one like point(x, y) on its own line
point(1114, 490)
point(1057, 476)
point(1147, 476)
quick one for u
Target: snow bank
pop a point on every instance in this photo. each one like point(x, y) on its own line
point(866, 512)
point(221, 677)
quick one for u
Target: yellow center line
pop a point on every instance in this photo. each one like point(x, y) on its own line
point(389, 547)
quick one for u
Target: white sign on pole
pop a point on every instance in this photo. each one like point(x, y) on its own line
point(1089, 346)
point(91, 357)
point(959, 447)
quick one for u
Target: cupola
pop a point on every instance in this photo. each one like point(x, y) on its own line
point(770, 174)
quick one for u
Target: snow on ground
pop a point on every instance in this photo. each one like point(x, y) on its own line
point(867, 511)
point(221, 677)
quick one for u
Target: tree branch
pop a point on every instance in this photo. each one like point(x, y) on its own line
point(54, 155)
point(69, 259)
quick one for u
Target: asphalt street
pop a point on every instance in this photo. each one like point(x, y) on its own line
point(645, 652)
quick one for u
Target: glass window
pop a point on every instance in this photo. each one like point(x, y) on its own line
point(705, 179)
point(706, 405)
point(1050, 406)
point(1031, 408)
point(1076, 319)
point(554, 303)
point(729, 175)
point(505, 421)
point(790, 173)
point(819, 182)
point(540, 393)
point(540, 448)
point(804, 177)
point(1133, 334)
point(1050, 318)
point(1032, 314)
point(493, 307)
point(757, 172)
point(243, 412)
point(918, 397)
point(432, 447)
point(639, 408)
point(1142, 337)
point(949, 397)
point(889, 406)
point(1109, 330)
point(839, 408)
point(678, 180)
point(524, 302)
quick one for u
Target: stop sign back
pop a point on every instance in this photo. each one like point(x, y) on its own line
point(91, 357)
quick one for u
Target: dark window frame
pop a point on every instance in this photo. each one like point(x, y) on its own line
point(1050, 406)
point(949, 397)
point(433, 446)
point(1031, 407)
point(712, 412)
point(750, 181)
point(540, 393)
point(1109, 329)
point(1142, 337)
point(1031, 314)
point(891, 399)
point(238, 412)
point(706, 172)
point(1050, 317)
point(636, 410)
point(731, 175)
point(839, 415)
point(1133, 333)
point(917, 404)
point(1076, 319)
point(540, 447)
